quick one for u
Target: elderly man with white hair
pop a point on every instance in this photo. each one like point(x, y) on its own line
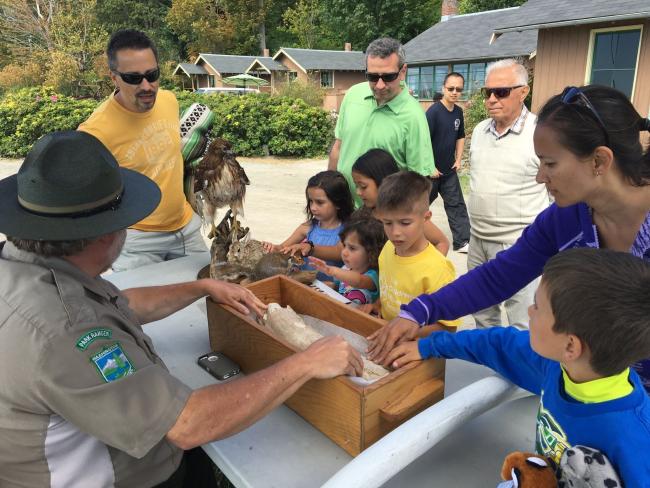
point(504, 198)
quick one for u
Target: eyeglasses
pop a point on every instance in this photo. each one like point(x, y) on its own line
point(500, 92)
point(136, 78)
point(453, 89)
point(385, 77)
point(574, 96)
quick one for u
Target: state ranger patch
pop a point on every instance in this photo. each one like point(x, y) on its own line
point(87, 339)
point(112, 364)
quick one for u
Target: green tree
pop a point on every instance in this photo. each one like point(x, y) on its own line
point(62, 37)
point(227, 26)
point(78, 46)
point(361, 22)
point(277, 34)
point(145, 15)
point(471, 6)
point(304, 21)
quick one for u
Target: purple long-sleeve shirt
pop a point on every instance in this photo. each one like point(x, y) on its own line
point(553, 231)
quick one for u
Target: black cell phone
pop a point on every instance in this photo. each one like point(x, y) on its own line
point(219, 365)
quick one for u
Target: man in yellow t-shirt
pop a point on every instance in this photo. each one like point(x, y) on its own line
point(139, 124)
point(409, 265)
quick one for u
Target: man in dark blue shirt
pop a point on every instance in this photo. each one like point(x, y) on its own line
point(447, 130)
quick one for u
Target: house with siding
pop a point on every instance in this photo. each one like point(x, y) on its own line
point(335, 71)
point(209, 70)
point(591, 41)
point(462, 43)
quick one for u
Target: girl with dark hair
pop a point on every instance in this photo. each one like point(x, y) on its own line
point(369, 171)
point(358, 279)
point(329, 206)
point(592, 162)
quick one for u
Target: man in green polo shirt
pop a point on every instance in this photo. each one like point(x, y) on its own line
point(382, 114)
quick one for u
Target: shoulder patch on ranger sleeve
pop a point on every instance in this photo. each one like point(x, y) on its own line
point(111, 363)
point(89, 337)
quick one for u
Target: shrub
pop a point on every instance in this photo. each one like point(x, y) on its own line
point(14, 76)
point(311, 93)
point(474, 111)
point(256, 124)
point(27, 114)
point(259, 124)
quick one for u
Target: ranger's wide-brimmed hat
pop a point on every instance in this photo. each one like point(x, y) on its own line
point(71, 187)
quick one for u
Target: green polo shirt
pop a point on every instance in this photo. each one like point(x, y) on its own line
point(398, 127)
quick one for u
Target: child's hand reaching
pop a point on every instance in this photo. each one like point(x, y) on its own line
point(320, 265)
point(270, 247)
point(301, 248)
point(405, 353)
point(371, 308)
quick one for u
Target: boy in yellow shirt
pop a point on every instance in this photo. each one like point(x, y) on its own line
point(409, 264)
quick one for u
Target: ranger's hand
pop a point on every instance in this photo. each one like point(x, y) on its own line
point(331, 356)
point(241, 299)
point(382, 342)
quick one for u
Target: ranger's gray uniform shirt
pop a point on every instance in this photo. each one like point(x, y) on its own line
point(84, 399)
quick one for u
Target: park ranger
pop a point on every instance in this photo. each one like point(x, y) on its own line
point(84, 398)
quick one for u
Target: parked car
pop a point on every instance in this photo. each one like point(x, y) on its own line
point(227, 90)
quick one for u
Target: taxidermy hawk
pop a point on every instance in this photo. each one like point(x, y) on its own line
point(219, 181)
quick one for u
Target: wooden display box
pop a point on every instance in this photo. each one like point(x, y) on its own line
point(352, 415)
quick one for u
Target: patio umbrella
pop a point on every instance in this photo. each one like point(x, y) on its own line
point(245, 80)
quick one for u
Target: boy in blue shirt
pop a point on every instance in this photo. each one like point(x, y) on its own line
point(589, 323)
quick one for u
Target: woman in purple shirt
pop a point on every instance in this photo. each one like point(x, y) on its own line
point(593, 164)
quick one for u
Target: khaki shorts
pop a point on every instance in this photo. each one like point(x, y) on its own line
point(142, 248)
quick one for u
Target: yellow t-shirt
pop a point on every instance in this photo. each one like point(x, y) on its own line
point(401, 279)
point(149, 143)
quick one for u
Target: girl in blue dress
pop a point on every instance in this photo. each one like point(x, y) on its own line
point(329, 206)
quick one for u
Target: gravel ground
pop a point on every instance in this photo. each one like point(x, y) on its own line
point(275, 201)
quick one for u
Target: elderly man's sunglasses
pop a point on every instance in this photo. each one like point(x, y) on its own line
point(136, 78)
point(499, 92)
point(574, 96)
point(386, 77)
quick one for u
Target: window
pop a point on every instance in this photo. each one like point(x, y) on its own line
point(327, 79)
point(413, 80)
point(292, 75)
point(476, 79)
point(440, 71)
point(614, 55)
point(424, 81)
point(211, 81)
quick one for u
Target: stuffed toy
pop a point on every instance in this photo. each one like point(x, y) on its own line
point(527, 470)
point(584, 467)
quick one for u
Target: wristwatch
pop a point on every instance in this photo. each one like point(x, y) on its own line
point(311, 248)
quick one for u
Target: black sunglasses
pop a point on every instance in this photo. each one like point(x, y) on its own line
point(573, 96)
point(500, 92)
point(454, 89)
point(136, 78)
point(386, 77)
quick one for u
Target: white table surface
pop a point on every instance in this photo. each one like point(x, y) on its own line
point(283, 450)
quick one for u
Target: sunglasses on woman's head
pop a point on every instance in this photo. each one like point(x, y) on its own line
point(500, 92)
point(573, 96)
point(136, 78)
point(386, 77)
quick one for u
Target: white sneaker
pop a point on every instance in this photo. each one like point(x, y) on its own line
point(464, 248)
